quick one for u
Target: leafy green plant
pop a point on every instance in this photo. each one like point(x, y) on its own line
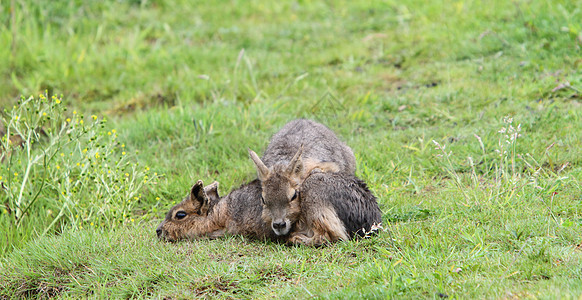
point(68, 165)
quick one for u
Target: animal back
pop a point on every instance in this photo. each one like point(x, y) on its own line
point(319, 143)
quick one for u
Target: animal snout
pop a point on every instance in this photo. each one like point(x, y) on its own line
point(159, 232)
point(279, 225)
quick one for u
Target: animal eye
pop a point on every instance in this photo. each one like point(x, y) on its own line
point(262, 200)
point(181, 215)
point(294, 196)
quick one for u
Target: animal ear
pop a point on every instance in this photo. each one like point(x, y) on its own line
point(262, 170)
point(211, 192)
point(295, 167)
point(199, 198)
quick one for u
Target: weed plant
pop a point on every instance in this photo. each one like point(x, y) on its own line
point(62, 169)
point(502, 173)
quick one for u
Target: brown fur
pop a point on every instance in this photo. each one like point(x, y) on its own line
point(202, 217)
point(282, 175)
point(336, 207)
point(305, 194)
point(209, 215)
point(279, 192)
point(317, 227)
point(330, 207)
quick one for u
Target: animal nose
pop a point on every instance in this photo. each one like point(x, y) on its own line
point(159, 232)
point(279, 225)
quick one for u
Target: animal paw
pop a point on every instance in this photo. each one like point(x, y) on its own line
point(300, 239)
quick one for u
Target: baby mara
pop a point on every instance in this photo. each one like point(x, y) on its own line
point(300, 147)
point(333, 207)
point(309, 191)
point(203, 213)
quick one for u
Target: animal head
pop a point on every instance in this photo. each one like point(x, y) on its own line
point(280, 191)
point(190, 218)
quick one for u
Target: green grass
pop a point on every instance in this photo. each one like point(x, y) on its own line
point(130, 263)
point(390, 78)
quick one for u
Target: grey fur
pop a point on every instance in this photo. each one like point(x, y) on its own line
point(318, 141)
point(239, 212)
point(245, 209)
point(293, 152)
point(309, 193)
point(353, 202)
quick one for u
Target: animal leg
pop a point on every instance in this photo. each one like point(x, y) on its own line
point(322, 227)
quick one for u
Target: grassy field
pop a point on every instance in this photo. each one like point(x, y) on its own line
point(465, 118)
